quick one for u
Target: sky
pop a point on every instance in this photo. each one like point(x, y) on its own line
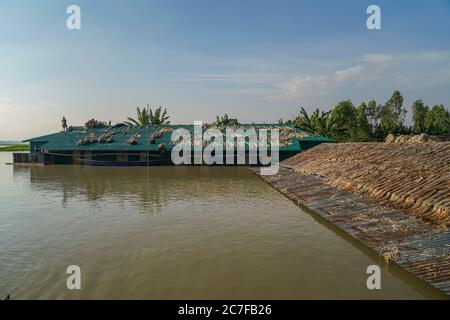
point(256, 60)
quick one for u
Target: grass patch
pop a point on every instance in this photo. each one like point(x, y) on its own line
point(15, 147)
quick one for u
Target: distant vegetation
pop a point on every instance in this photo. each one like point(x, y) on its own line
point(371, 121)
point(374, 121)
point(146, 117)
point(15, 147)
point(226, 121)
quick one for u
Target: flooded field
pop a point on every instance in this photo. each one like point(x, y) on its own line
point(175, 233)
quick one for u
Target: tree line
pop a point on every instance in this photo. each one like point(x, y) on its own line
point(373, 121)
point(346, 122)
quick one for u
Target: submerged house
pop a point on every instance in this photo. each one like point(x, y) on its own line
point(123, 145)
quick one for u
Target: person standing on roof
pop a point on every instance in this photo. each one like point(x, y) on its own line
point(64, 124)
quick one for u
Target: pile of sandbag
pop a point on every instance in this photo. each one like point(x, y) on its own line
point(420, 138)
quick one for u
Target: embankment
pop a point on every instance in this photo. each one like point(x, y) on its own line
point(411, 176)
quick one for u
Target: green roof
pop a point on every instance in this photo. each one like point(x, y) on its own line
point(70, 140)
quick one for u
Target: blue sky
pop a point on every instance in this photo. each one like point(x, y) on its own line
point(256, 60)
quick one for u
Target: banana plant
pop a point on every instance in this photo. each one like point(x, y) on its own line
point(146, 117)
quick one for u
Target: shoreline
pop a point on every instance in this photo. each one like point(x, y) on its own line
point(14, 148)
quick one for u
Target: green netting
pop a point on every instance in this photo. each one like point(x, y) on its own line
point(142, 138)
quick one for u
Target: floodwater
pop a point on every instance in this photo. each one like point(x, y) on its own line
point(175, 233)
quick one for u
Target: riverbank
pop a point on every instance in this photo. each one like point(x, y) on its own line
point(14, 148)
point(392, 197)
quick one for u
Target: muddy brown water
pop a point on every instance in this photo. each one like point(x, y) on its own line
point(175, 233)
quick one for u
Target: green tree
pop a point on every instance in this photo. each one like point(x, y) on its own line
point(364, 130)
point(344, 121)
point(159, 117)
point(392, 114)
point(142, 118)
point(419, 111)
point(303, 122)
point(317, 123)
point(373, 121)
point(146, 117)
point(437, 121)
point(225, 121)
point(373, 113)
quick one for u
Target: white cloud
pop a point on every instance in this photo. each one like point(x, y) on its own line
point(418, 57)
point(279, 82)
point(377, 57)
point(403, 70)
point(250, 77)
point(308, 86)
point(425, 56)
point(349, 73)
point(246, 91)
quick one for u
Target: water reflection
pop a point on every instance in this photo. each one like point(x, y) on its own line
point(149, 188)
